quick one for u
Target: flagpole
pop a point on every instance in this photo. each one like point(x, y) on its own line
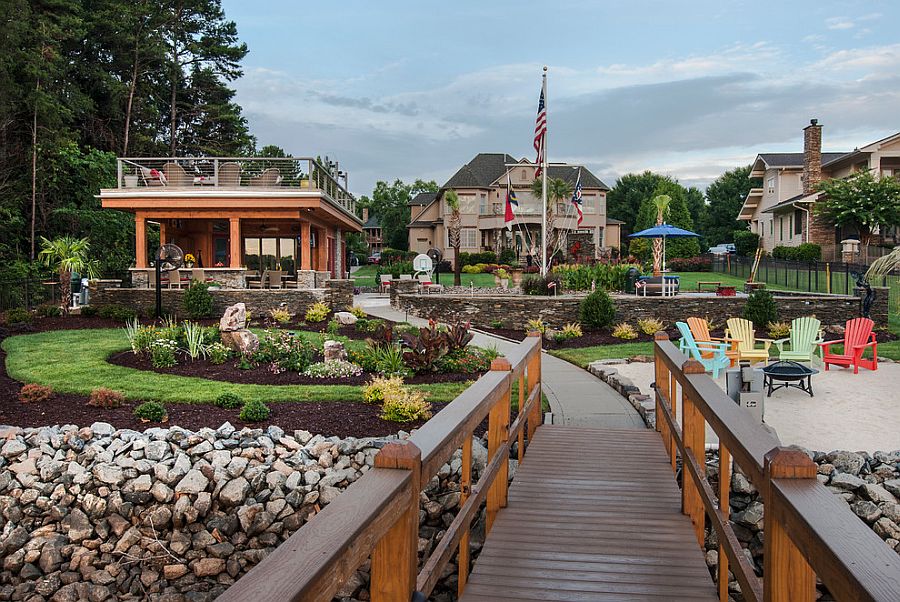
point(544, 187)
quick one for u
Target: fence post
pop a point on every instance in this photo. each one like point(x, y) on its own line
point(693, 436)
point(498, 434)
point(534, 379)
point(395, 557)
point(787, 575)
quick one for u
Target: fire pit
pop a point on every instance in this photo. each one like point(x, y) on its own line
point(788, 374)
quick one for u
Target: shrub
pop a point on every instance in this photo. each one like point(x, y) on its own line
point(333, 327)
point(690, 264)
point(18, 315)
point(359, 312)
point(484, 257)
point(35, 393)
point(470, 269)
point(761, 308)
point(280, 315)
point(101, 397)
point(803, 252)
point(496, 323)
point(193, 338)
point(48, 311)
point(606, 276)
point(88, 311)
point(424, 348)
point(151, 411)
point(535, 325)
point(254, 411)
point(597, 310)
point(572, 330)
point(394, 268)
point(649, 325)
point(745, 242)
point(379, 387)
point(119, 313)
point(502, 274)
point(162, 353)
point(624, 330)
point(405, 406)
point(229, 401)
point(540, 285)
point(197, 302)
point(507, 256)
point(317, 312)
point(142, 338)
point(284, 351)
point(465, 361)
point(778, 330)
point(218, 354)
point(388, 359)
point(333, 369)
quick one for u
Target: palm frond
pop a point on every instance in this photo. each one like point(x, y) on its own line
point(883, 266)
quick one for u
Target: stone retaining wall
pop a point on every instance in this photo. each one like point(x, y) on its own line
point(515, 310)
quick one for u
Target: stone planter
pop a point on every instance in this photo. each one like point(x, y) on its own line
point(504, 283)
point(516, 275)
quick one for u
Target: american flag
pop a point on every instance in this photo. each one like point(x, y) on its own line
point(577, 200)
point(540, 130)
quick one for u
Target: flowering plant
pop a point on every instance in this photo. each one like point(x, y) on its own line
point(333, 369)
point(189, 258)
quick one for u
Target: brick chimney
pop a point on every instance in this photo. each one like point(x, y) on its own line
point(365, 217)
point(812, 156)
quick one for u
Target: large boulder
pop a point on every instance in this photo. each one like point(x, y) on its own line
point(345, 318)
point(241, 341)
point(234, 318)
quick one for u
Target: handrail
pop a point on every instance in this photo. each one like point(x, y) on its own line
point(807, 531)
point(379, 514)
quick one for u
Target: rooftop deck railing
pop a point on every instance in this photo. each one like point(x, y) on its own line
point(378, 515)
point(233, 173)
point(809, 531)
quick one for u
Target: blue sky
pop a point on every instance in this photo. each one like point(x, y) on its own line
point(415, 89)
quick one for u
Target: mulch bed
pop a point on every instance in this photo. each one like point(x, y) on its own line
point(261, 375)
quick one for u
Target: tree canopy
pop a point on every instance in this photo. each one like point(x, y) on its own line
point(390, 204)
point(861, 201)
point(724, 197)
point(677, 214)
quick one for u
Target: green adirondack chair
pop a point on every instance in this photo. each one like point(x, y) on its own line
point(698, 349)
point(806, 334)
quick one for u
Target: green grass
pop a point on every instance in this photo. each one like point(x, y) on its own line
point(365, 276)
point(689, 281)
point(582, 356)
point(74, 361)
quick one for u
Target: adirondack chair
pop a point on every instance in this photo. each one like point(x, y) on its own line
point(857, 336)
point(697, 349)
point(742, 330)
point(806, 334)
point(700, 329)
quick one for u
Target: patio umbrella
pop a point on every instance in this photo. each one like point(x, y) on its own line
point(663, 231)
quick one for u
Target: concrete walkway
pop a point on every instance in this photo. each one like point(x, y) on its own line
point(576, 396)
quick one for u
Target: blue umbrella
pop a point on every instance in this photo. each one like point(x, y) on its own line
point(663, 231)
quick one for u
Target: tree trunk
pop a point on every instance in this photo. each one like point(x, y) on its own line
point(65, 290)
point(172, 143)
point(131, 89)
point(457, 269)
point(34, 126)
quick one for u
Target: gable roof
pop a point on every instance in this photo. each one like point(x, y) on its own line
point(372, 222)
point(486, 168)
point(793, 159)
point(423, 198)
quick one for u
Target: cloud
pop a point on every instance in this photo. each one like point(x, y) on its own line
point(842, 23)
point(869, 59)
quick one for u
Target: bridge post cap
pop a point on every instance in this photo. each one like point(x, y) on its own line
point(660, 335)
point(399, 454)
point(534, 333)
point(789, 463)
point(500, 364)
point(693, 367)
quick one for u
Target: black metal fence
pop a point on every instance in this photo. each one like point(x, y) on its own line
point(809, 276)
point(29, 293)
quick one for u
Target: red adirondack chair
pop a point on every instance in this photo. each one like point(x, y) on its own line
point(857, 336)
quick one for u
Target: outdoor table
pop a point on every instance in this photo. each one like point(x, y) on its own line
point(788, 374)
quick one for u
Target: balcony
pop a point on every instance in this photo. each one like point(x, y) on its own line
point(201, 178)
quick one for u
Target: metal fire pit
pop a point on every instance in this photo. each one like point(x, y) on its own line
point(789, 374)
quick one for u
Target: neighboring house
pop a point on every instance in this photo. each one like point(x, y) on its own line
point(783, 213)
point(372, 231)
point(481, 185)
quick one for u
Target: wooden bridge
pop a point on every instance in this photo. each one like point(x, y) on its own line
point(591, 514)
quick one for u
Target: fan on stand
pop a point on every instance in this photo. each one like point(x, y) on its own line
point(435, 255)
point(168, 257)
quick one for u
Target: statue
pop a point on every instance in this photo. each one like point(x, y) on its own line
point(869, 298)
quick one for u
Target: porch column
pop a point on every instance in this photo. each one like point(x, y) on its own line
point(235, 241)
point(339, 267)
point(162, 232)
point(305, 249)
point(322, 249)
point(140, 241)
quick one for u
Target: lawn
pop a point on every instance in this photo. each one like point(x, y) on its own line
point(366, 275)
point(74, 361)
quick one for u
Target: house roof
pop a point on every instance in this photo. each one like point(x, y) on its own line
point(794, 159)
point(802, 197)
point(372, 222)
point(486, 169)
point(613, 222)
point(423, 198)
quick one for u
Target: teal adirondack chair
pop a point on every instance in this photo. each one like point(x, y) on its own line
point(697, 349)
point(806, 334)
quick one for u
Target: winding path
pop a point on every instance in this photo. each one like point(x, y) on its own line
point(577, 397)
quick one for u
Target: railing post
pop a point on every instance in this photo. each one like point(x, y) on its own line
point(498, 434)
point(465, 488)
point(693, 436)
point(395, 557)
point(787, 575)
point(725, 508)
point(118, 173)
point(534, 380)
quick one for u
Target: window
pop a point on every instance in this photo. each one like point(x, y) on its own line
point(771, 185)
point(780, 228)
point(271, 254)
point(482, 204)
point(772, 227)
point(589, 204)
point(798, 222)
point(468, 238)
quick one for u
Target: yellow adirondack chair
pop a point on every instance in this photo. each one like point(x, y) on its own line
point(742, 330)
point(700, 329)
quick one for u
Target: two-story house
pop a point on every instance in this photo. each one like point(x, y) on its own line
point(372, 231)
point(783, 212)
point(481, 186)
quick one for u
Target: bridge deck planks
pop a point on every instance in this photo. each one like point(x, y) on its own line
point(594, 514)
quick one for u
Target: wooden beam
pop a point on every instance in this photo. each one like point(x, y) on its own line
point(235, 241)
point(140, 241)
point(322, 249)
point(305, 249)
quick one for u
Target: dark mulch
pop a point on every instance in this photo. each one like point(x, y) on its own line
point(591, 338)
point(261, 375)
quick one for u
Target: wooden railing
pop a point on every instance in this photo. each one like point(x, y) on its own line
point(378, 515)
point(809, 532)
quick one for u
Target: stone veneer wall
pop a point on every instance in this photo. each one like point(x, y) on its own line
point(515, 310)
point(258, 301)
point(228, 278)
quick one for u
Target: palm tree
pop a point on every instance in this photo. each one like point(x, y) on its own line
point(557, 190)
point(67, 254)
point(454, 229)
point(662, 206)
point(883, 266)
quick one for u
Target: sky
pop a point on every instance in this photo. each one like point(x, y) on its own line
point(415, 89)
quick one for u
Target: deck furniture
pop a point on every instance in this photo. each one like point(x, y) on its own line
point(697, 350)
point(262, 282)
point(269, 177)
point(175, 280)
point(667, 286)
point(276, 279)
point(788, 374)
point(700, 329)
point(743, 331)
point(152, 177)
point(806, 334)
point(229, 175)
point(406, 277)
point(176, 176)
point(384, 283)
point(858, 336)
point(702, 283)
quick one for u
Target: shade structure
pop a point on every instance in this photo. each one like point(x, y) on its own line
point(664, 231)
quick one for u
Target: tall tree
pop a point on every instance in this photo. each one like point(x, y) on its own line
point(390, 203)
point(68, 255)
point(678, 215)
point(661, 204)
point(724, 198)
point(624, 201)
point(454, 232)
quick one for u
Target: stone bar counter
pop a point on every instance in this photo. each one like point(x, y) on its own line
point(225, 277)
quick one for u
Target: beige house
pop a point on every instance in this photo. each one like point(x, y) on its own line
point(782, 210)
point(481, 185)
